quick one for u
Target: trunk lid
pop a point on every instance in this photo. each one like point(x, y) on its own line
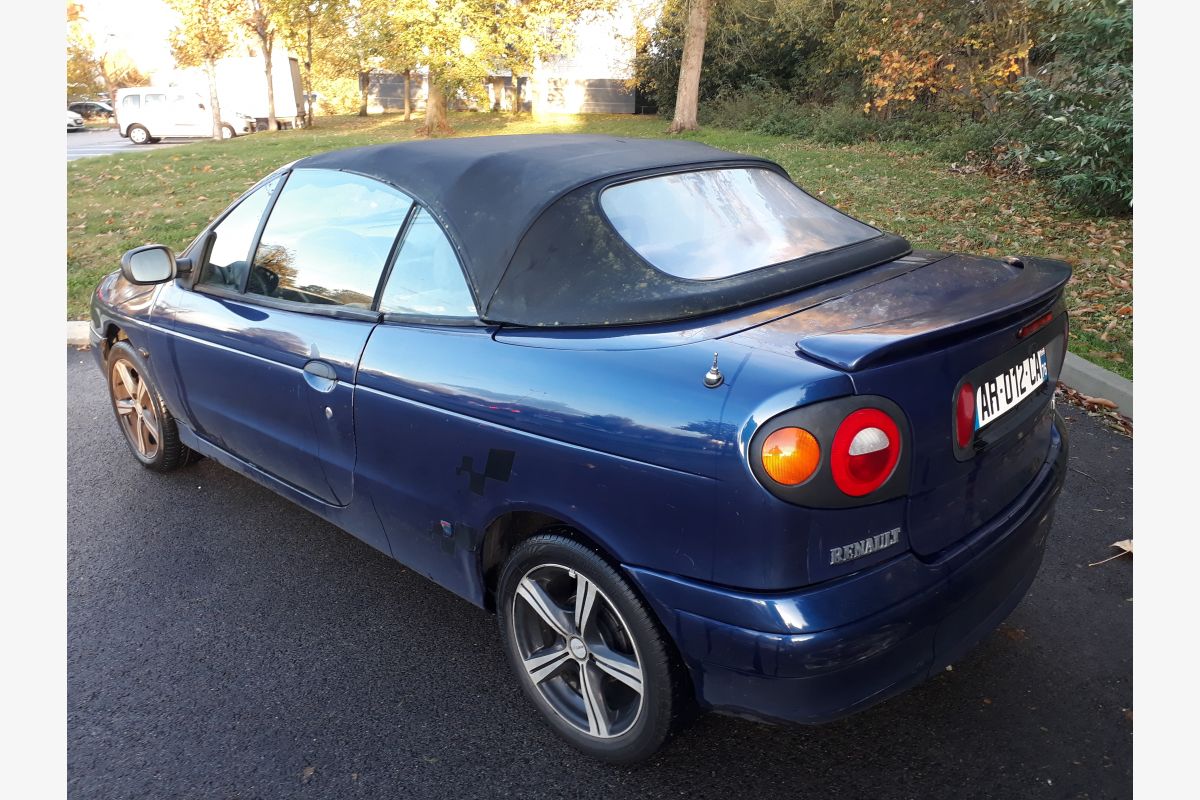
point(915, 338)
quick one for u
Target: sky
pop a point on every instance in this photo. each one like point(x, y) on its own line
point(139, 27)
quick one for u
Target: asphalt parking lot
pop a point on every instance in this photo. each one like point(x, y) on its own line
point(224, 643)
point(106, 142)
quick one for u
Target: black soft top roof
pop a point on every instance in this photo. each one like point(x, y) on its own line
point(524, 214)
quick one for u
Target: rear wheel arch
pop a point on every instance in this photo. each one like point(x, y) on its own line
point(509, 529)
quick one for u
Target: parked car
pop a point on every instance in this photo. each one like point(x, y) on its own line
point(74, 121)
point(698, 439)
point(147, 114)
point(92, 109)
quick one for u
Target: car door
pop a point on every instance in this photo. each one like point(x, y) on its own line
point(156, 114)
point(416, 456)
point(267, 341)
point(188, 116)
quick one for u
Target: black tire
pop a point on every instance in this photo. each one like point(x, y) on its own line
point(660, 700)
point(155, 139)
point(167, 453)
point(138, 134)
point(227, 132)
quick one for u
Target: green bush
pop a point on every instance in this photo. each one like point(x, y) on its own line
point(761, 109)
point(1079, 106)
point(844, 124)
point(976, 140)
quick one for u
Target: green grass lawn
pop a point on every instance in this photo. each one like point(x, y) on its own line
point(167, 195)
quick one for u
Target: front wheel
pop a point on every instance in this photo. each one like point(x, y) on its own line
point(150, 430)
point(139, 135)
point(586, 650)
point(227, 132)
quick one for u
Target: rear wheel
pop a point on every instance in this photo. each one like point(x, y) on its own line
point(586, 650)
point(227, 132)
point(139, 135)
point(150, 430)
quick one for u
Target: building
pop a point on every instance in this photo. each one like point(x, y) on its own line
point(592, 79)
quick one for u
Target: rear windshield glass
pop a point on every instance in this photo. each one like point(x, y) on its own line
point(721, 222)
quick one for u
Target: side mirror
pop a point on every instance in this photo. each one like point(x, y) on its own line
point(147, 265)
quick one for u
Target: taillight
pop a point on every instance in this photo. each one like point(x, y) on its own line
point(840, 453)
point(790, 456)
point(1036, 325)
point(964, 415)
point(865, 451)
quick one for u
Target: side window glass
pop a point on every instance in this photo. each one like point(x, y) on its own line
point(156, 99)
point(132, 102)
point(227, 265)
point(327, 239)
point(426, 279)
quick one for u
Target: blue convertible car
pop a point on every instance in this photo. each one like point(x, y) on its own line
point(698, 439)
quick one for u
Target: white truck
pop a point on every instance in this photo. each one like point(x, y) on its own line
point(146, 114)
point(242, 86)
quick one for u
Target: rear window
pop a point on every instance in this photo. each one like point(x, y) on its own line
point(718, 223)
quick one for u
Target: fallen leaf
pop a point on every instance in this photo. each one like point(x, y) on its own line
point(307, 773)
point(1016, 634)
point(1103, 402)
point(1125, 546)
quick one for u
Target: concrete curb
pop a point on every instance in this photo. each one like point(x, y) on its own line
point(1084, 376)
point(1080, 374)
point(77, 333)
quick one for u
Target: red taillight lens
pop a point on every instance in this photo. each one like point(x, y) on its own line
point(964, 415)
point(790, 456)
point(865, 451)
point(1036, 325)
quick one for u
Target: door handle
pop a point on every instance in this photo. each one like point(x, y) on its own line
point(320, 376)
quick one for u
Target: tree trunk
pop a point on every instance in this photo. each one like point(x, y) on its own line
point(497, 93)
point(407, 95)
point(364, 87)
point(272, 123)
point(308, 92)
point(213, 102)
point(687, 96)
point(516, 95)
point(435, 110)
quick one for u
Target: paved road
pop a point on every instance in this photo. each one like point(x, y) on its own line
point(94, 142)
point(226, 644)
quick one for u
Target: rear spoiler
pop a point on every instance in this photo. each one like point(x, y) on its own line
point(1037, 288)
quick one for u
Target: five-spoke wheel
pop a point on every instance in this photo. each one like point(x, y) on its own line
point(586, 649)
point(577, 650)
point(131, 399)
point(149, 428)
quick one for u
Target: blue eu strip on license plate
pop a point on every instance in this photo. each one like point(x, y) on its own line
point(1003, 393)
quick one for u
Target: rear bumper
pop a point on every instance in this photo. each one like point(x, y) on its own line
point(825, 652)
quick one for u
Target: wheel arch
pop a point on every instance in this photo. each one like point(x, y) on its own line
point(511, 527)
point(111, 333)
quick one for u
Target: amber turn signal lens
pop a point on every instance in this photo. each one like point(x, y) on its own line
point(790, 456)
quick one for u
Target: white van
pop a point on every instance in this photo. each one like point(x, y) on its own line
point(146, 114)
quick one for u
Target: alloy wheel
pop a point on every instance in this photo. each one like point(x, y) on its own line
point(577, 650)
point(135, 409)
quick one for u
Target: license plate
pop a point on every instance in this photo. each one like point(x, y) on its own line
point(1001, 394)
